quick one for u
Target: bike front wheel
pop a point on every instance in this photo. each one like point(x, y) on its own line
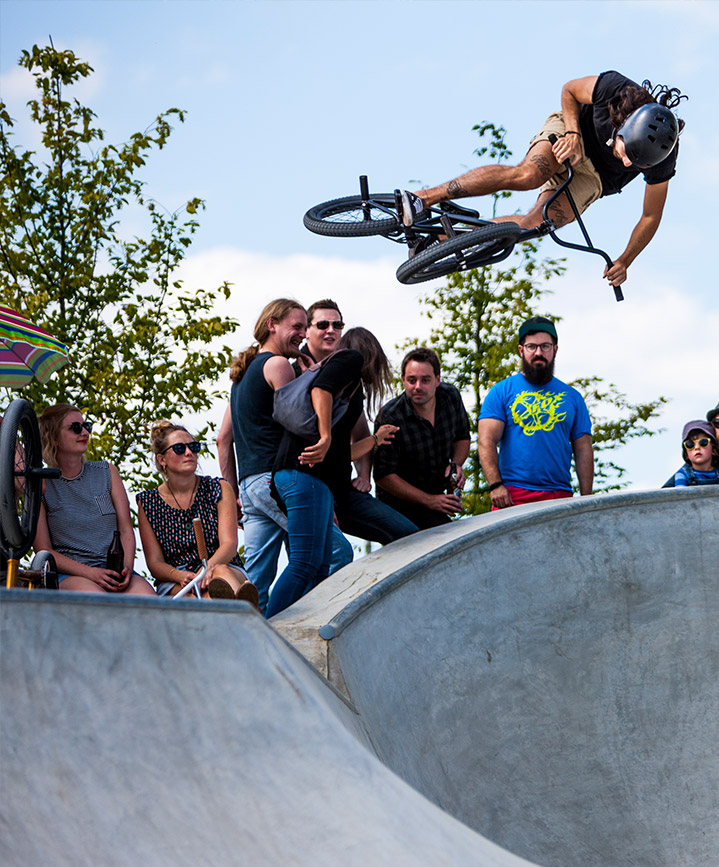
point(20, 479)
point(467, 250)
point(354, 217)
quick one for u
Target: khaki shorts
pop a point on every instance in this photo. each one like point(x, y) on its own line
point(586, 184)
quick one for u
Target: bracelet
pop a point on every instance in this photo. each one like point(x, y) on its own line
point(376, 441)
point(495, 485)
point(571, 132)
point(174, 569)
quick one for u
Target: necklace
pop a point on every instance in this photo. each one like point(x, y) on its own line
point(190, 505)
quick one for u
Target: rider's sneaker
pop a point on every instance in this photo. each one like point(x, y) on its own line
point(412, 208)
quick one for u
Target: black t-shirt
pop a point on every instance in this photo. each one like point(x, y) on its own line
point(339, 375)
point(255, 432)
point(597, 129)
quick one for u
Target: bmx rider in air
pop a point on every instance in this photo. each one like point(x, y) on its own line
point(611, 129)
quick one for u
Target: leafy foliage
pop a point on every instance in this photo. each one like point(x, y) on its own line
point(137, 338)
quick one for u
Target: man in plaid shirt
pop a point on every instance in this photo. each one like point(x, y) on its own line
point(415, 472)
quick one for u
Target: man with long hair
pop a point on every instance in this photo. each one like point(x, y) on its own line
point(256, 374)
point(610, 129)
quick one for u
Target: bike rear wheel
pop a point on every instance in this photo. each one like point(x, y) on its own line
point(354, 217)
point(20, 479)
point(467, 250)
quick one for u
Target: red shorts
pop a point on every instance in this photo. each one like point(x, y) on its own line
point(522, 495)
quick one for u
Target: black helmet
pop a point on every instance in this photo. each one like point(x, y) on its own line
point(650, 133)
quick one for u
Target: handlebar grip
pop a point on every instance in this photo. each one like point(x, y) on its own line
point(618, 294)
point(552, 138)
point(200, 538)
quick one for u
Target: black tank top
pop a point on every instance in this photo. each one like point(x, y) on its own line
point(257, 436)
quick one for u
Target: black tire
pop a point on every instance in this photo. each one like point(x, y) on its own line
point(471, 249)
point(350, 218)
point(20, 483)
point(44, 562)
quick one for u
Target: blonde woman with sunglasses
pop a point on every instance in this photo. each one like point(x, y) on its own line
point(166, 514)
point(81, 510)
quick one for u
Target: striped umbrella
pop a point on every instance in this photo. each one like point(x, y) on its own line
point(26, 351)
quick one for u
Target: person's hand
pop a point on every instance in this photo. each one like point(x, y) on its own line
point(460, 478)
point(364, 486)
point(183, 577)
point(385, 433)
point(125, 580)
point(446, 503)
point(501, 498)
point(568, 147)
point(205, 582)
point(304, 362)
point(316, 454)
point(617, 274)
point(108, 579)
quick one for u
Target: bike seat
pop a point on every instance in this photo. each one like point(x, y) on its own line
point(455, 209)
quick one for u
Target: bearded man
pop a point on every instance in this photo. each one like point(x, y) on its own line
point(530, 426)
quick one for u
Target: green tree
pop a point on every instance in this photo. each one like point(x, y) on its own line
point(475, 318)
point(138, 340)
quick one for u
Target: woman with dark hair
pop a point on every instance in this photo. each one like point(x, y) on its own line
point(81, 510)
point(313, 482)
point(166, 514)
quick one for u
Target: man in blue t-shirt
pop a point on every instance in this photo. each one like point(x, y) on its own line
point(530, 426)
point(611, 129)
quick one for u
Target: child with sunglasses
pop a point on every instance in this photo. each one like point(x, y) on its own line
point(165, 516)
point(699, 450)
point(81, 510)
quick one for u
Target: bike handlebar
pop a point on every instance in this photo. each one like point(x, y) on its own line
point(564, 188)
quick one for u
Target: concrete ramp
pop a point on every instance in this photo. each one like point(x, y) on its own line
point(543, 680)
point(149, 732)
point(551, 677)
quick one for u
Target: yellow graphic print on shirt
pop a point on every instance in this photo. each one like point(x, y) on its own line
point(537, 410)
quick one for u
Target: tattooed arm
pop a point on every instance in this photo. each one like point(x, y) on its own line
point(575, 93)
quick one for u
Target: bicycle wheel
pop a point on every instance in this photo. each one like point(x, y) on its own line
point(20, 481)
point(351, 217)
point(44, 562)
point(471, 249)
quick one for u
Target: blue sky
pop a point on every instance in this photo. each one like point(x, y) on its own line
point(288, 102)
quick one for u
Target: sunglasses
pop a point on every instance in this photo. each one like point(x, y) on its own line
point(179, 448)
point(77, 426)
point(703, 442)
point(325, 324)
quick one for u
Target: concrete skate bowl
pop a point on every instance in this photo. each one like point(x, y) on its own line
point(539, 684)
point(550, 677)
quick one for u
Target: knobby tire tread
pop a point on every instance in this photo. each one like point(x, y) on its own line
point(319, 218)
point(18, 524)
point(478, 247)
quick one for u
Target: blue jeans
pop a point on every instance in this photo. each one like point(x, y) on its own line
point(265, 531)
point(363, 516)
point(310, 509)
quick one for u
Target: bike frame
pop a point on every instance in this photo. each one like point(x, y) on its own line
point(449, 219)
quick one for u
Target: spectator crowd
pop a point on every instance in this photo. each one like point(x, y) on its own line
point(304, 491)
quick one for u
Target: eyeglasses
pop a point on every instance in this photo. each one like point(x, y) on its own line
point(325, 324)
point(715, 421)
point(77, 426)
point(533, 347)
point(703, 442)
point(179, 448)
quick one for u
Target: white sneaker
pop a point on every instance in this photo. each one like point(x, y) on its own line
point(412, 208)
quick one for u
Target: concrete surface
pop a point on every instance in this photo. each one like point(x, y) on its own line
point(547, 676)
point(148, 732)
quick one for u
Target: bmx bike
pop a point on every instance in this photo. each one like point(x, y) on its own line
point(462, 239)
point(21, 476)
